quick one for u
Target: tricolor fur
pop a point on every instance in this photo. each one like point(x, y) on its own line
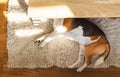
point(91, 40)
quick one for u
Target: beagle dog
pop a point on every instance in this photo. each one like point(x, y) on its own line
point(92, 41)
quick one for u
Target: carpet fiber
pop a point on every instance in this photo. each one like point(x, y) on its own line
point(61, 52)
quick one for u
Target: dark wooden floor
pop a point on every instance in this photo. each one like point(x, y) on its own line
point(50, 72)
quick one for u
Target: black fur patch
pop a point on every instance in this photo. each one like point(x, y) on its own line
point(89, 28)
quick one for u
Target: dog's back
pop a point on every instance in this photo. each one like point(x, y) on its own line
point(89, 28)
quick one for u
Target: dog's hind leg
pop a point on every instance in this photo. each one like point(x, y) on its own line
point(101, 59)
point(82, 67)
point(80, 58)
point(40, 39)
point(87, 61)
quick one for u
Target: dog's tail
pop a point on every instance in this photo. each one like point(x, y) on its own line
point(101, 59)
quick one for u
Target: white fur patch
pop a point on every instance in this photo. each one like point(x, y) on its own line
point(99, 61)
point(60, 29)
point(77, 36)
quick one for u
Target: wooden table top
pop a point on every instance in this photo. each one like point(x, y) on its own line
point(73, 8)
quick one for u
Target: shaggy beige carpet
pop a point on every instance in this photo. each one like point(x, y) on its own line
point(24, 53)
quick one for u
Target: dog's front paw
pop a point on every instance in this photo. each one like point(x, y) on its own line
point(39, 40)
point(43, 44)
